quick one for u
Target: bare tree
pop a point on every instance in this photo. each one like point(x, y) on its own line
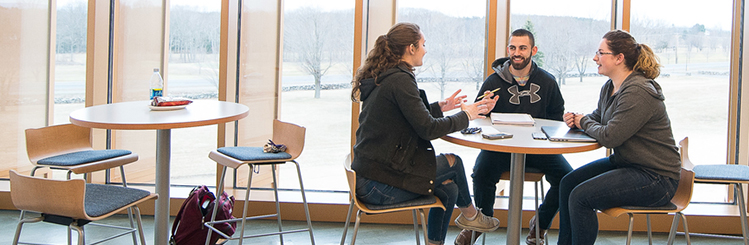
point(309, 34)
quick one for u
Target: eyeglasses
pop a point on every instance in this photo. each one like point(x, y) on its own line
point(599, 53)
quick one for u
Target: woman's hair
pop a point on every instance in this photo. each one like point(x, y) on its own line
point(387, 53)
point(637, 56)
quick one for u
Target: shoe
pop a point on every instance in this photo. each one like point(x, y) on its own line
point(481, 223)
point(464, 238)
point(531, 239)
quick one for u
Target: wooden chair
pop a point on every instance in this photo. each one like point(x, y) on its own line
point(678, 203)
point(68, 147)
point(285, 133)
point(537, 177)
point(74, 203)
point(424, 202)
point(728, 174)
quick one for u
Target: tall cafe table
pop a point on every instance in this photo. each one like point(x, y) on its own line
point(520, 144)
point(136, 115)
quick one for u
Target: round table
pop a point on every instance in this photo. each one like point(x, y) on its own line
point(520, 144)
point(136, 115)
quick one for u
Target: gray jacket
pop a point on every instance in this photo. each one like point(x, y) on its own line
point(634, 122)
point(396, 125)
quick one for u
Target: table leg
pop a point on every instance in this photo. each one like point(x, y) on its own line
point(161, 214)
point(515, 212)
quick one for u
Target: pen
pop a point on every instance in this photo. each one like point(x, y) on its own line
point(493, 91)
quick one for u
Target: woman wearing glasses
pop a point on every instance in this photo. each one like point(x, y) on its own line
point(631, 118)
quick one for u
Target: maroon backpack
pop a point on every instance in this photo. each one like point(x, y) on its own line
point(188, 228)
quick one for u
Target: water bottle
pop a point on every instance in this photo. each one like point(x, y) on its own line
point(157, 84)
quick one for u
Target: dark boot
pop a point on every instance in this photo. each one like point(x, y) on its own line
point(531, 239)
point(464, 238)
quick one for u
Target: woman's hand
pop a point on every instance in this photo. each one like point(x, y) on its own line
point(452, 102)
point(475, 110)
point(572, 119)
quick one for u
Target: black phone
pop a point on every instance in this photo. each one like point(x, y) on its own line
point(539, 135)
point(496, 136)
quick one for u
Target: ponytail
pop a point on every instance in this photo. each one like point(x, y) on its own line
point(647, 62)
point(637, 57)
point(386, 53)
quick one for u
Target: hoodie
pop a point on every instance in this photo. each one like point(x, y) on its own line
point(633, 121)
point(540, 97)
point(396, 125)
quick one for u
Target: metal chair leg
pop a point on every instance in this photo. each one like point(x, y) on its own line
point(650, 233)
point(742, 210)
point(356, 227)
point(348, 220)
point(219, 189)
point(631, 226)
point(246, 202)
point(304, 201)
point(686, 228)
point(672, 232)
point(278, 205)
point(416, 226)
point(424, 226)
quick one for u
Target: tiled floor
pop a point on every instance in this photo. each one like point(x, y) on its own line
point(324, 232)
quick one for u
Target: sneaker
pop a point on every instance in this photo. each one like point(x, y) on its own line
point(464, 238)
point(531, 238)
point(481, 223)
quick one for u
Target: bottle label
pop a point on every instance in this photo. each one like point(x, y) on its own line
point(156, 92)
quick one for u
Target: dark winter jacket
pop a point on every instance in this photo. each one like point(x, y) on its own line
point(396, 125)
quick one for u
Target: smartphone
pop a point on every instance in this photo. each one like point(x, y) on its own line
point(496, 136)
point(539, 136)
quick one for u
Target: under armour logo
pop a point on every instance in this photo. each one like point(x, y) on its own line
point(515, 99)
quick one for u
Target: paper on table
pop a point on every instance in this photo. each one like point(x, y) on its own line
point(522, 119)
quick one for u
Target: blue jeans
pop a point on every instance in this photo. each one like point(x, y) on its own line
point(451, 194)
point(601, 185)
point(489, 167)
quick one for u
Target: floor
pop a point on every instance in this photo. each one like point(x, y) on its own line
point(325, 233)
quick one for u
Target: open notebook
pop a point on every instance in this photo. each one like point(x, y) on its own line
point(566, 134)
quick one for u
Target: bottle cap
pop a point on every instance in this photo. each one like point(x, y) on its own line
point(155, 69)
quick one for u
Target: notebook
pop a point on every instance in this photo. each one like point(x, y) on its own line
point(566, 134)
point(522, 119)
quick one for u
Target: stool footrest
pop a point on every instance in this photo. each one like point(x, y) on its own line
point(240, 219)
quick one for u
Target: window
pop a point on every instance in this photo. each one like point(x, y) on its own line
point(694, 48)
point(24, 77)
point(70, 59)
point(317, 73)
point(566, 36)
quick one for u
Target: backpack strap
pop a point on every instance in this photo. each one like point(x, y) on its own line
point(182, 209)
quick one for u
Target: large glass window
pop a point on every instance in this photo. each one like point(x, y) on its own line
point(24, 45)
point(70, 59)
point(193, 73)
point(455, 39)
point(566, 35)
point(317, 72)
point(694, 48)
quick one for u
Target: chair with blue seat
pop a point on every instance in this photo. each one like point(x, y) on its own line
point(68, 147)
point(421, 203)
point(728, 174)
point(288, 134)
point(74, 203)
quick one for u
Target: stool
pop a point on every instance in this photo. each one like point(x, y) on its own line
point(283, 133)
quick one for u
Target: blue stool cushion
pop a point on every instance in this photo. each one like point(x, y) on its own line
point(722, 172)
point(81, 157)
point(252, 153)
point(102, 199)
point(422, 200)
point(669, 206)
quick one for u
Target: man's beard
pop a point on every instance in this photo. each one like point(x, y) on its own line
point(521, 65)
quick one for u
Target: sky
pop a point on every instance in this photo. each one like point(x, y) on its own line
point(683, 13)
